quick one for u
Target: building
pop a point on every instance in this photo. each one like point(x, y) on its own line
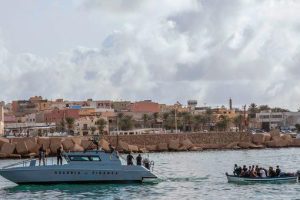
point(121, 106)
point(1, 120)
point(33, 105)
point(283, 120)
point(58, 115)
point(146, 106)
point(87, 125)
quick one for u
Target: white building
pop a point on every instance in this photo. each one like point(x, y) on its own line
point(270, 120)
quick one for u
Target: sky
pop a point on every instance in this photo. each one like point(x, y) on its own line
point(166, 50)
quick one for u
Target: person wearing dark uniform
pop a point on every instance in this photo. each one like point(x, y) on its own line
point(59, 156)
point(278, 171)
point(129, 159)
point(139, 160)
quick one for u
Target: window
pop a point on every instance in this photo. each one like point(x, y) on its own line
point(79, 158)
point(95, 158)
point(84, 158)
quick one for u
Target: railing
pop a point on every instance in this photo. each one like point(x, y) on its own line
point(31, 162)
point(22, 163)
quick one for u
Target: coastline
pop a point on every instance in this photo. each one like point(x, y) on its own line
point(28, 147)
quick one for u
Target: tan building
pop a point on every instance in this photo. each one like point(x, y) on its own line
point(84, 125)
point(121, 106)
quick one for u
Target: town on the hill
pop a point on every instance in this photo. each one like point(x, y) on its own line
point(41, 117)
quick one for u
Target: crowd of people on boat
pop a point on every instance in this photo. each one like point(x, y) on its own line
point(256, 171)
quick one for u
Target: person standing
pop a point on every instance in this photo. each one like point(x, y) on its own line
point(59, 156)
point(139, 160)
point(42, 153)
point(129, 159)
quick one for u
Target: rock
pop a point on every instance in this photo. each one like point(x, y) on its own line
point(133, 148)
point(267, 137)
point(88, 145)
point(244, 145)
point(277, 143)
point(104, 145)
point(296, 142)
point(212, 146)
point(54, 146)
point(3, 155)
point(8, 148)
point(287, 137)
point(232, 145)
point(30, 146)
point(196, 149)
point(187, 144)
point(258, 138)
point(55, 140)
point(44, 141)
point(2, 141)
point(14, 156)
point(151, 148)
point(67, 144)
point(21, 148)
point(77, 147)
point(162, 147)
point(123, 146)
point(143, 150)
point(276, 138)
point(274, 132)
point(76, 140)
point(174, 145)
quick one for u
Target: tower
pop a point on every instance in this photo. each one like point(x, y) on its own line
point(230, 103)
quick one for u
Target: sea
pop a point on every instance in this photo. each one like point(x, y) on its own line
point(182, 175)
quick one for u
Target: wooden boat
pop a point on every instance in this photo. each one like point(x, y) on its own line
point(279, 179)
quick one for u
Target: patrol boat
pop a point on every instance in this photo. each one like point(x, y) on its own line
point(80, 167)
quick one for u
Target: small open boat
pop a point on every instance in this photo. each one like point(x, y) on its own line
point(279, 179)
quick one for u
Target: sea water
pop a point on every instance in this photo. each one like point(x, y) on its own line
point(182, 175)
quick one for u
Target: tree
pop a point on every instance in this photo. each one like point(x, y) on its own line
point(264, 108)
point(145, 120)
point(277, 109)
point(238, 121)
point(199, 122)
point(93, 129)
point(101, 123)
point(155, 117)
point(126, 123)
point(223, 123)
point(187, 121)
point(70, 124)
point(252, 110)
point(61, 126)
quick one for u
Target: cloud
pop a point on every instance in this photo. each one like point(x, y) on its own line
point(179, 50)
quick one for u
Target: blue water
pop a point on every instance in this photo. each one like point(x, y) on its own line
point(185, 175)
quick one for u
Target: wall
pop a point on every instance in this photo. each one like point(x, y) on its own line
point(215, 138)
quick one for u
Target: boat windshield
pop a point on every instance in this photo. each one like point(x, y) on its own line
point(84, 158)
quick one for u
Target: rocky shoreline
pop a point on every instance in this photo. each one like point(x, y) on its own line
point(28, 147)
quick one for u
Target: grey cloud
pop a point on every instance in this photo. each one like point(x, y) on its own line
point(204, 50)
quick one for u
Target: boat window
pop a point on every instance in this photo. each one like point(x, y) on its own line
point(79, 158)
point(95, 158)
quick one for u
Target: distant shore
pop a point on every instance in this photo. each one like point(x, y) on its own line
point(29, 147)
